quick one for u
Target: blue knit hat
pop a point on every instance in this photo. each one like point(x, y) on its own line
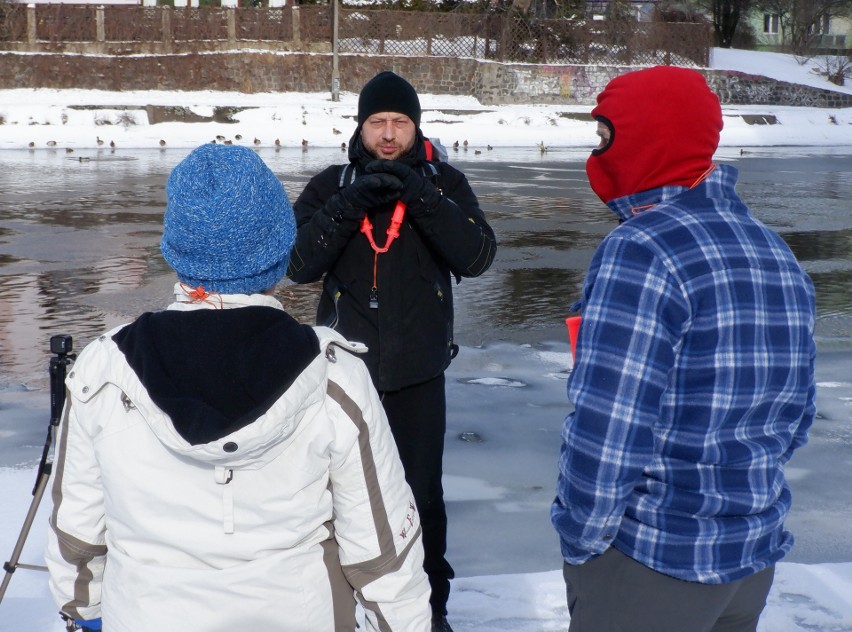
point(229, 226)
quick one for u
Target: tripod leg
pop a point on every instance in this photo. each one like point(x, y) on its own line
point(12, 565)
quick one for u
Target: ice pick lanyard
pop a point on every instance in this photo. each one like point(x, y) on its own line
point(392, 232)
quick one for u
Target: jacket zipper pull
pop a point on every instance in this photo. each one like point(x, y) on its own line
point(223, 476)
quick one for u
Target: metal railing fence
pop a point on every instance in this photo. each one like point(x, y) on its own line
point(502, 37)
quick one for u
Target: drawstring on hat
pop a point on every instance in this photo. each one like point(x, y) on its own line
point(200, 295)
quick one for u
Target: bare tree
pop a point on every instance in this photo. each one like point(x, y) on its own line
point(521, 6)
point(573, 9)
point(726, 15)
point(836, 68)
point(674, 11)
point(618, 25)
point(726, 18)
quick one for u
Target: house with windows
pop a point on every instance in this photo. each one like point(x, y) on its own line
point(830, 32)
point(770, 30)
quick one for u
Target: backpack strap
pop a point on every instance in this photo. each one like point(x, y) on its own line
point(429, 169)
point(347, 174)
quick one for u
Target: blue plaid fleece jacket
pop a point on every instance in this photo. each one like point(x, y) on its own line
point(693, 385)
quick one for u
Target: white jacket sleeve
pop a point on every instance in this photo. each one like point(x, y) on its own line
point(76, 549)
point(376, 522)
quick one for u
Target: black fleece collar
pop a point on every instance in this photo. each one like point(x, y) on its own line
point(215, 371)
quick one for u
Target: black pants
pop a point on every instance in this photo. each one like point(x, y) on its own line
point(418, 420)
point(614, 593)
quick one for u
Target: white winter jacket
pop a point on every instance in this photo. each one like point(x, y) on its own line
point(278, 524)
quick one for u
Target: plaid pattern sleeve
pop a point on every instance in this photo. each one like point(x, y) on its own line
point(693, 383)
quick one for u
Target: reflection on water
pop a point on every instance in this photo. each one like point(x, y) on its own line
point(834, 294)
point(79, 240)
point(824, 246)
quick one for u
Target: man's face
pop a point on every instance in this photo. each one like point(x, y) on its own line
point(388, 135)
point(604, 134)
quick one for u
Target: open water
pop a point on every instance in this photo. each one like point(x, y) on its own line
point(79, 253)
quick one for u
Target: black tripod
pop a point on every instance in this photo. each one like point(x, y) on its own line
point(61, 347)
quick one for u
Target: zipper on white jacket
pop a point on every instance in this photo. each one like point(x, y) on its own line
point(223, 475)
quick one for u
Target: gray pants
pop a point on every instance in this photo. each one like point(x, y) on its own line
point(614, 593)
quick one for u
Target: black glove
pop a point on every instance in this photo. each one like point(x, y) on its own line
point(419, 195)
point(368, 192)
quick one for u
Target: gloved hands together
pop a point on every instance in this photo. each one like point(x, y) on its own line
point(88, 625)
point(419, 194)
point(368, 192)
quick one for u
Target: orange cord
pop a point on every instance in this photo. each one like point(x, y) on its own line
point(392, 233)
point(638, 209)
point(703, 176)
point(393, 229)
point(200, 295)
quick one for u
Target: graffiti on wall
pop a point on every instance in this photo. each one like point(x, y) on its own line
point(568, 83)
point(546, 81)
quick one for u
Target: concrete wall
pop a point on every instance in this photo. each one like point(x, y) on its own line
point(490, 82)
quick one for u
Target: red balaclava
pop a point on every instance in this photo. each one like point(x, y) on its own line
point(665, 123)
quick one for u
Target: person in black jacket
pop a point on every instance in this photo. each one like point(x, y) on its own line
point(388, 233)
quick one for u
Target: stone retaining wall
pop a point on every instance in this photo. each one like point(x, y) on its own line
point(491, 83)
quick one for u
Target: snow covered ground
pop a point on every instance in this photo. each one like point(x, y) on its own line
point(805, 597)
point(48, 117)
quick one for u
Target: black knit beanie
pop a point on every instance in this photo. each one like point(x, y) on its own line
point(388, 92)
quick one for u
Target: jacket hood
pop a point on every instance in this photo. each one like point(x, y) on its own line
point(273, 379)
point(215, 371)
point(665, 124)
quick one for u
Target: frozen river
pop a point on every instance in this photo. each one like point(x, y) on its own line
point(79, 253)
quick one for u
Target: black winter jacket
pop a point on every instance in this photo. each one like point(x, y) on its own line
point(410, 334)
